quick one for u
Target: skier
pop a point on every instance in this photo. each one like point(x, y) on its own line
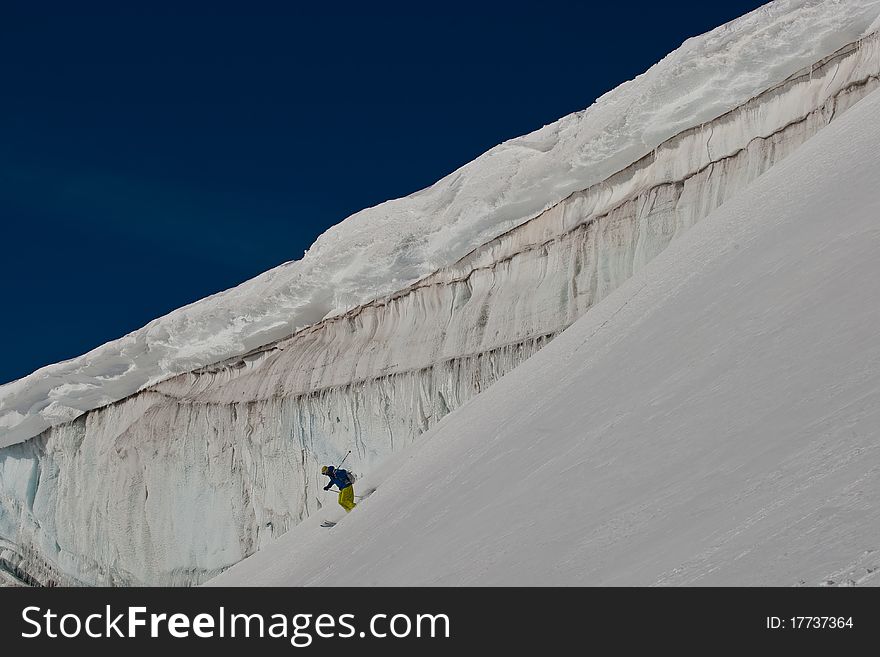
point(344, 483)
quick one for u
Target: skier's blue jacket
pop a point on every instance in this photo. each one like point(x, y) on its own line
point(338, 477)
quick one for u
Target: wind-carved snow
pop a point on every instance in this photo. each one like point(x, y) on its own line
point(383, 249)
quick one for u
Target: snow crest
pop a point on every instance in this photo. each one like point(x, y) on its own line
point(382, 249)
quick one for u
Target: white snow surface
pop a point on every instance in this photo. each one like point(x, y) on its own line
point(713, 421)
point(382, 249)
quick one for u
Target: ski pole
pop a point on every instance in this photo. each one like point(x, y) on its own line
point(339, 490)
point(343, 459)
point(336, 490)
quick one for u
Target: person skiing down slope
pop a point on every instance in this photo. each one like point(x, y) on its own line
point(344, 483)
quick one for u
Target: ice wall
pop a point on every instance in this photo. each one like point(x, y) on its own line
point(379, 250)
point(177, 482)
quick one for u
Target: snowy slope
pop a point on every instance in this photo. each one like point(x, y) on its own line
point(714, 421)
point(383, 249)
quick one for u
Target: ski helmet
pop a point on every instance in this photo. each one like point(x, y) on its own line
point(324, 469)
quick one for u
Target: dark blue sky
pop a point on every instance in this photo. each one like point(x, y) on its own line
point(150, 157)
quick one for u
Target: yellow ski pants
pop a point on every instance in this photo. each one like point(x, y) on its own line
point(346, 498)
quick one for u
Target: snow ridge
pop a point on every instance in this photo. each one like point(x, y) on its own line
point(385, 248)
